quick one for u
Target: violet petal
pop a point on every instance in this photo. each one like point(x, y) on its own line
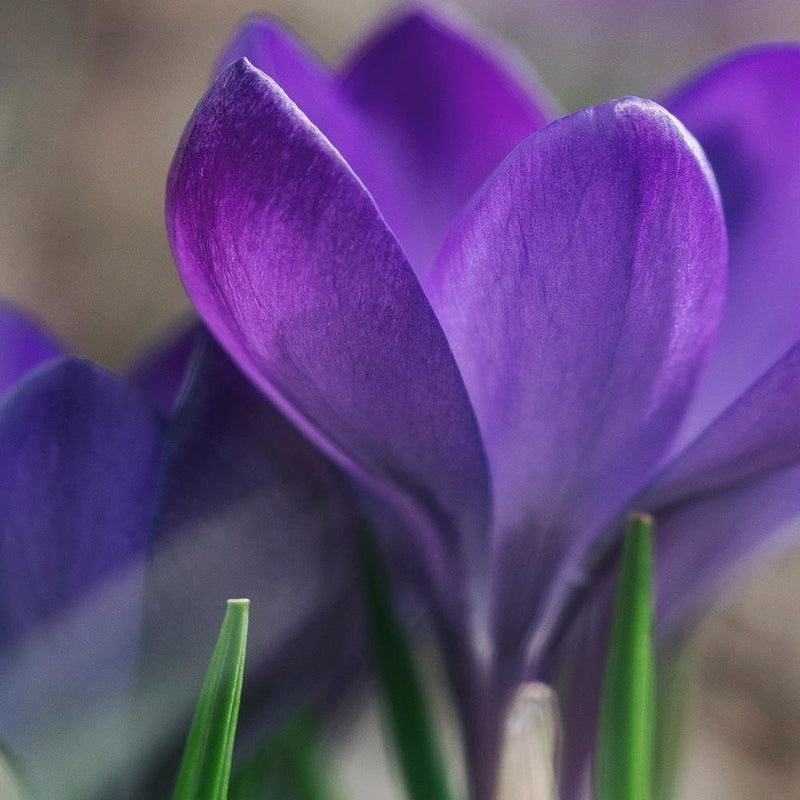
point(248, 508)
point(292, 268)
point(758, 433)
point(703, 544)
point(80, 455)
point(23, 345)
point(580, 292)
point(745, 112)
point(450, 108)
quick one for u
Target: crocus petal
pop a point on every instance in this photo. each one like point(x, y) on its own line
point(580, 292)
point(317, 91)
point(248, 508)
point(759, 433)
point(79, 454)
point(450, 109)
point(292, 268)
point(311, 85)
point(23, 345)
point(162, 371)
point(745, 113)
point(703, 544)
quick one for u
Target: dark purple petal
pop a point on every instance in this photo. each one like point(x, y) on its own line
point(449, 109)
point(80, 454)
point(162, 371)
point(580, 292)
point(23, 345)
point(759, 433)
point(746, 114)
point(249, 508)
point(293, 270)
point(318, 93)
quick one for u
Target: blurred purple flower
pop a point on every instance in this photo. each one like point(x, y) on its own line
point(122, 535)
point(24, 346)
point(510, 388)
point(80, 452)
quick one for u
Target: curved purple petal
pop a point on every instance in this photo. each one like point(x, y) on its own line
point(701, 545)
point(23, 345)
point(449, 109)
point(745, 112)
point(274, 49)
point(580, 292)
point(293, 270)
point(162, 371)
point(758, 433)
point(248, 508)
point(80, 454)
point(318, 93)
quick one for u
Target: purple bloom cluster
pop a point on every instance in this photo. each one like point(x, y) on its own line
point(506, 332)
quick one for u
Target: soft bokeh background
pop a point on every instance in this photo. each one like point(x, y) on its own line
point(93, 97)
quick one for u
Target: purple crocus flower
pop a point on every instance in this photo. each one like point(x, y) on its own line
point(509, 354)
point(80, 452)
point(25, 345)
point(123, 532)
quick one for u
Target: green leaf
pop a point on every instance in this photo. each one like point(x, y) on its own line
point(408, 716)
point(206, 766)
point(624, 759)
point(285, 768)
point(672, 695)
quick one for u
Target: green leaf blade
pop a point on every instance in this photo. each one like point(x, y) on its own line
point(420, 758)
point(624, 759)
point(206, 766)
point(287, 767)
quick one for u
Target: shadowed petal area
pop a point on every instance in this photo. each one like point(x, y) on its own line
point(758, 433)
point(23, 345)
point(80, 454)
point(162, 371)
point(580, 292)
point(292, 268)
point(449, 109)
point(249, 508)
point(745, 112)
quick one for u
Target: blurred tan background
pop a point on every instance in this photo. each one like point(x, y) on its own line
point(93, 97)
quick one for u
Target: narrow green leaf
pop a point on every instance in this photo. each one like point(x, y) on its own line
point(286, 768)
point(672, 695)
point(624, 759)
point(206, 766)
point(408, 716)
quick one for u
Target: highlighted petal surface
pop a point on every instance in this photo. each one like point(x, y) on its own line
point(292, 268)
point(581, 292)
